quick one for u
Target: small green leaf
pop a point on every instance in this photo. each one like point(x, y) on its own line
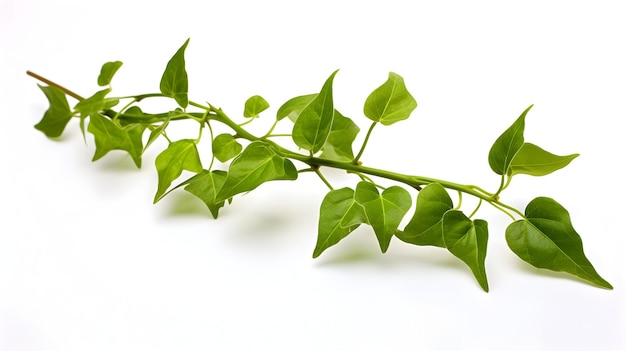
point(58, 114)
point(339, 216)
point(155, 132)
point(293, 107)
point(256, 165)
point(467, 240)
point(547, 239)
point(390, 103)
point(312, 127)
point(383, 212)
point(535, 161)
point(107, 72)
point(179, 155)
point(507, 145)
point(110, 136)
point(205, 185)
point(174, 82)
point(343, 132)
point(425, 228)
point(225, 147)
point(255, 105)
point(95, 103)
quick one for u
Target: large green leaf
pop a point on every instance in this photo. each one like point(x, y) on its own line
point(257, 164)
point(507, 145)
point(340, 214)
point(174, 82)
point(225, 147)
point(425, 228)
point(533, 160)
point(110, 136)
point(57, 115)
point(107, 72)
point(391, 102)
point(205, 185)
point(467, 240)
point(547, 239)
point(314, 123)
point(170, 163)
point(343, 132)
point(294, 106)
point(255, 105)
point(384, 211)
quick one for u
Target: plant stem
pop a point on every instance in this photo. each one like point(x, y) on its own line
point(51, 83)
point(367, 137)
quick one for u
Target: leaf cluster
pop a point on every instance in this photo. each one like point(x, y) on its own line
point(542, 235)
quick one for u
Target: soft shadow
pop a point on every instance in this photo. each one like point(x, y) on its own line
point(117, 162)
point(181, 203)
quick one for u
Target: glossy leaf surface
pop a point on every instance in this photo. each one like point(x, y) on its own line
point(425, 227)
point(110, 136)
point(170, 163)
point(58, 114)
point(467, 240)
point(535, 161)
point(391, 102)
point(205, 185)
point(340, 214)
point(174, 82)
point(547, 239)
point(255, 105)
point(383, 211)
point(256, 165)
point(225, 147)
point(107, 72)
point(343, 132)
point(314, 123)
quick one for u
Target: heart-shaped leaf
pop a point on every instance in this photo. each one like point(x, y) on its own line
point(384, 211)
point(535, 161)
point(547, 239)
point(174, 82)
point(255, 105)
point(467, 240)
point(391, 102)
point(425, 228)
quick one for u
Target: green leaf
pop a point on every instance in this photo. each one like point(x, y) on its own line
point(170, 163)
point(255, 105)
point(155, 132)
point(293, 107)
point(467, 240)
point(383, 212)
point(535, 161)
point(426, 228)
point(312, 127)
point(391, 102)
point(343, 132)
point(225, 147)
point(110, 136)
point(107, 72)
point(174, 82)
point(507, 145)
point(95, 103)
point(58, 114)
point(547, 239)
point(257, 164)
point(339, 216)
point(205, 185)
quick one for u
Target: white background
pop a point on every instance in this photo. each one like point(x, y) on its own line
point(88, 263)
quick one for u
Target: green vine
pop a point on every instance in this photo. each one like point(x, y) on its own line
point(542, 235)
